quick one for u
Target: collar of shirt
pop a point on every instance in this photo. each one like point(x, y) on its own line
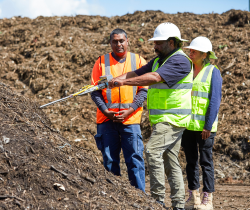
point(161, 60)
point(117, 59)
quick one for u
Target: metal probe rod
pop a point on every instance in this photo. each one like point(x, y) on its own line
point(102, 83)
point(97, 87)
point(53, 102)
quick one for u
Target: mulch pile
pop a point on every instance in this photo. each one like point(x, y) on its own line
point(39, 169)
point(47, 58)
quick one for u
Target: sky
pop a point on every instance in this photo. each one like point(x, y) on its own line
point(109, 8)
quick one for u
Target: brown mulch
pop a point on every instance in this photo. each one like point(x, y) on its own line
point(40, 169)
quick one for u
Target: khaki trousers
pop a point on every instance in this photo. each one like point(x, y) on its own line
point(162, 153)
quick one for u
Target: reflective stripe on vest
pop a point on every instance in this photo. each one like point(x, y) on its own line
point(176, 86)
point(200, 94)
point(175, 99)
point(201, 117)
point(170, 111)
point(201, 99)
point(108, 91)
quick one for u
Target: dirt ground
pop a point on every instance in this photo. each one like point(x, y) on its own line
point(226, 197)
point(48, 58)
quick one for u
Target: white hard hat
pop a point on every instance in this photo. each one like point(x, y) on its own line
point(165, 31)
point(202, 44)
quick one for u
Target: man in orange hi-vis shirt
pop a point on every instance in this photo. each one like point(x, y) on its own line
point(119, 111)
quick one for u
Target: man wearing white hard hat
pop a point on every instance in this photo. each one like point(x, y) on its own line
point(169, 77)
point(206, 98)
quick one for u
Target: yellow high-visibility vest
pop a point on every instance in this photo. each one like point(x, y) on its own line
point(200, 99)
point(171, 104)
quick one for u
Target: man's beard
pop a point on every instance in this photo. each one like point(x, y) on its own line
point(163, 55)
point(158, 52)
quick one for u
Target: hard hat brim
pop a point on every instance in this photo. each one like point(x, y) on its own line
point(164, 39)
point(212, 54)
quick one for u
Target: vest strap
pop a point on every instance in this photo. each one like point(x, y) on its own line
point(107, 64)
point(133, 68)
point(155, 65)
point(133, 61)
point(205, 75)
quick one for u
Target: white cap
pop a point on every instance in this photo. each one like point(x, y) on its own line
point(202, 44)
point(165, 31)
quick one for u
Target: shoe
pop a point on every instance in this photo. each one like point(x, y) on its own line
point(161, 203)
point(207, 201)
point(193, 200)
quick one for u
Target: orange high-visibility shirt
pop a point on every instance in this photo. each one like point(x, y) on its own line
point(118, 98)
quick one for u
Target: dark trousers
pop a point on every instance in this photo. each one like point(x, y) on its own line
point(192, 143)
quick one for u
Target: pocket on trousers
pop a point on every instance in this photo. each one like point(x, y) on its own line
point(99, 142)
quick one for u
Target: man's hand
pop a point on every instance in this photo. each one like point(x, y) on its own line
point(128, 75)
point(205, 134)
point(110, 114)
point(123, 115)
point(115, 82)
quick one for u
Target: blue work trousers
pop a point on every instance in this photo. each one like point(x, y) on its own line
point(111, 138)
point(193, 143)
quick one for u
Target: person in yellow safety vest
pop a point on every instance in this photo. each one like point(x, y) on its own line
point(199, 135)
point(170, 78)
